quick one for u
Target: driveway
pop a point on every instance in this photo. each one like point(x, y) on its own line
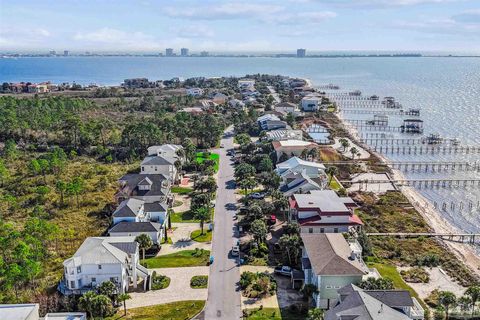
point(181, 239)
point(223, 295)
point(178, 290)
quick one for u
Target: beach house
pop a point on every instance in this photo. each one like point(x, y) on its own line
point(194, 92)
point(323, 211)
point(284, 134)
point(292, 148)
point(311, 103)
point(270, 121)
point(329, 264)
point(101, 259)
point(286, 108)
point(147, 187)
point(30, 311)
point(246, 84)
point(127, 228)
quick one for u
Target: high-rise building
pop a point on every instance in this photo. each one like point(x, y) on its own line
point(53, 52)
point(204, 54)
point(65, 53)
point(301, 53)
point(169, 52)
point(184, 52)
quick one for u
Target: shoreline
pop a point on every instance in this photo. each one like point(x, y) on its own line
point(464, 252)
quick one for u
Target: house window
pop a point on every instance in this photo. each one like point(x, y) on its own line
point(94, 279)
point(79, 269)
point(328, 287)
point(72, 284)
point(99, 267)
point(335, 230)
point(143, 169)
point(322, 230)
point(155, 168)
point(310, 230)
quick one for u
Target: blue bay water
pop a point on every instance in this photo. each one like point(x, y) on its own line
point(447, 90)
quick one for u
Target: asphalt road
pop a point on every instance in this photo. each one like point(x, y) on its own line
point(223, 294)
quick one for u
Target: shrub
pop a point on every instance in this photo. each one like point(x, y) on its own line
point(415, 275)
point(256, 285)
point(199, 282)
point(159, 281)
point(428, 260)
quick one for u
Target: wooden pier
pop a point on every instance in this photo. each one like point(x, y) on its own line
point(421, 166)
point(470, 238)
point(419, 183)
point(426, 149)
point(385, 112)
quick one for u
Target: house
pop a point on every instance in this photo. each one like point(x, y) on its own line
point(136, 83)
point(219, 98)
point(155, 230)
point(311, 103)
point(192, 110)
point(270, 121)
point(205, 104)
point(284, 134)
point(101, 259)
point(246, 84)
point(323, 211)
point(43, 87)
point(30, 311)
point(292, 147)
point(286, 108)
point(299, 182)
point(329, 264)
point(169, 150)
point(195, 92)
point(130, 210)
point(356, 303)
point(295, 164)
point(162, 160)
point(235, 103)
point(147, 187)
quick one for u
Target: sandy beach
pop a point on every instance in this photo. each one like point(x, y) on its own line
point(464, 252)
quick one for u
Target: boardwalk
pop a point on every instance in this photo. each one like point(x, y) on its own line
point(426, 183)
point(471, 238)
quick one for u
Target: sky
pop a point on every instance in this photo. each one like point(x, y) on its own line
point(240, 26)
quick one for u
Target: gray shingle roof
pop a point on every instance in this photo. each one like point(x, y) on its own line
point(156, 207)
point(329, 254)
point(125, 226)
point(157, 161)
point(159, 187)
point(128, 208)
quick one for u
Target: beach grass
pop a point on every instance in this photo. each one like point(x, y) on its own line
point(180, 310)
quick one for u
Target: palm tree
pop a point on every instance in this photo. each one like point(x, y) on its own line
point(344, 143)
point(331, 171)
point(315, 314)
point(474, 293)
point(304, 154)
point(308, 291)
point(447, 299)
point(145, 242)
point(202, 214)
point(123, 298)
point(354, 152)
point(86, 302)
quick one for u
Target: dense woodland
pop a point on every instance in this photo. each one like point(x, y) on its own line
point(60, 160)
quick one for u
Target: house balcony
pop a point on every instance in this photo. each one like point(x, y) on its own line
point(416, 312)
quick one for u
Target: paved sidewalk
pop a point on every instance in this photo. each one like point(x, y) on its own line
point(179, 238)
point(185, 206)
point(178, 290)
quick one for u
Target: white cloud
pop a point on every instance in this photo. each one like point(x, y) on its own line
point(383, 3)
point(193, 31)
point(114, 38)
point(469, 17)
point(223, 11)
point(21, 37)
point(301, 18)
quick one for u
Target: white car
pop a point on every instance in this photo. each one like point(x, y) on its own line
point(235, 251)
point(257, 195)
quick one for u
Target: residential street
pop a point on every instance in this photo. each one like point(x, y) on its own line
point(223, 297)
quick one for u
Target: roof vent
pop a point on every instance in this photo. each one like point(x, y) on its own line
point(310, 202)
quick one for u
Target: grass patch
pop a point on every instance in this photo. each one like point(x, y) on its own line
point(185, 216)
point(205, 237)
point(169, 241)
point(334, 185)
point(273, 314)
point(199, 282)
point(202, 156)
point(181, 190)
point(181, 310)
point(184, 258)
point(244, 193)
point(177, 203)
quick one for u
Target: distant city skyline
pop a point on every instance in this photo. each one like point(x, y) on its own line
point(251, 26)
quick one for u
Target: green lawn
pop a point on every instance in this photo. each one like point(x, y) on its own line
point(184, 258)
point(275, 314)
point(213, 156)
point(181, 310)
point(391, 272)
point(334, 185)
point(181, 190)
point(205, 237)
point(186, 216)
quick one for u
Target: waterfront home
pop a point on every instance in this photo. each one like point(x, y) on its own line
point(155, 230)
point(39, 87)
point(295, 164)
point(101, 259)
point(311, 103)
point(147, 187)
point(292, 148)
point(30, 311)
point(284, 134)
point(246, 84)
point(356, 303)
point(329, 264)
point(219, 98)
point(195, 92)
point(286, 108)
point(270, 121)
point(296, 82)
point(164, 160)
point(297, 183)
point(323, 211)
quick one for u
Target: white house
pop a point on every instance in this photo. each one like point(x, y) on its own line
point(286, 108)
point(194, 92)
point(328, 264)
point(284, 134)
point(299, 182)
point(219, 98)
point(161, 160)
point(235, 103)
point(295, 164)
point(270, 121)
point(155, 230)
point(101, 259)
point(246, 84)
point(130, 210)
point(311, 103)
point(30, 311)
point(292, 148)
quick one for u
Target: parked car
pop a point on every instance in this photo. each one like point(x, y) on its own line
point(235, 251)
point(257, 195)
point(283, 270)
